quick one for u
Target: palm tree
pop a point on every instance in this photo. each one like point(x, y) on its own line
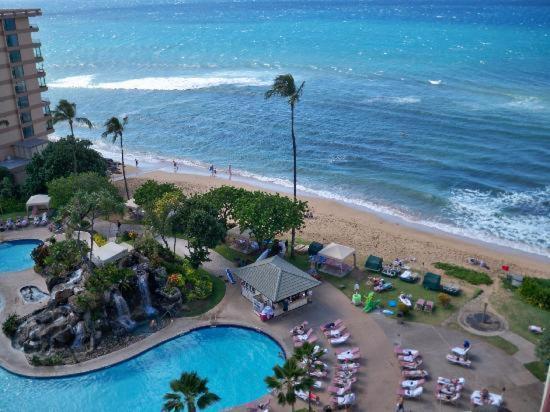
point(284, 86)
point(288, 379)
point(4, 122)
point(308, 355)
point(65, 111)
point(115, 127)
point(194, 391)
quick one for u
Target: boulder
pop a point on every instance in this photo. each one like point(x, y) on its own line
point(44, 317)
point(64, 337)
point(31, 345)
point(61, 296)
point(61, 311)
point(52, 281)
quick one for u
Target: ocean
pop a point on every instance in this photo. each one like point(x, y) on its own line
point(437, 112)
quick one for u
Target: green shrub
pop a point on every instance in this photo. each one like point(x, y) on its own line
point(39, 255)
point(471, 276)
point(104, 277)
point(444, 299)
point(65, 256)
point(149, 247)
point(10, 325)
point(52, 360)
point(536, 291)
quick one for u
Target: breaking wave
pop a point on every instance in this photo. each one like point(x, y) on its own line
point(159, 83)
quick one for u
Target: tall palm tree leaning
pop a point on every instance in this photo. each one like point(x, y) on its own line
point(65, 111)
point(288, 379)
point(115, 127)
point(194, 391)
point(284, 86)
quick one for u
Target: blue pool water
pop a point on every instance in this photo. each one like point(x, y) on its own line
point(16, 254)
point(235, 361)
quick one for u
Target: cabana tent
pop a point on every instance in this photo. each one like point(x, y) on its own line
point(274, 283)
point(431, 281)
point(332, 258)
point(374, 264)
point(38, 201)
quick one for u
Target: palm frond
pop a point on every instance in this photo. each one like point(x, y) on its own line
point(207, 399)
point(85, 121)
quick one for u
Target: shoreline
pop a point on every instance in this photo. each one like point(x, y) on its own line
point(197, 168)
point(369, 232)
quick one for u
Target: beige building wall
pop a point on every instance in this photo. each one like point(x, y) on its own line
point(22, 80)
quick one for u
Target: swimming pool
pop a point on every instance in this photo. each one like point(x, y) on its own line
point(235, 361)
point(16, 254)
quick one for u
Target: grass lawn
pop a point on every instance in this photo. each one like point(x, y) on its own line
point(439, 314)
point(471, 276)
point(199, 307)
point(501, 343)
point(12, 215)
point(537, 368)
point(232, 254)
point(520, 314)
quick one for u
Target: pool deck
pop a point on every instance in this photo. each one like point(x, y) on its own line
point(374, 334)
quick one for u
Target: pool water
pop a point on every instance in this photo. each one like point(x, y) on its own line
point(235, 361)
point(15, 255)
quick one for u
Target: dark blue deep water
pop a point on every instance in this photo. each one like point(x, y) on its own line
point(436, 111)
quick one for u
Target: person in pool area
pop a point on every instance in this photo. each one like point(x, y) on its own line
point(330, 325)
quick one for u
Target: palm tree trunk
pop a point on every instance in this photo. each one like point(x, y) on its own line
point(175, 243)
point(293, 238)
point(124, 169)
point(74, 147)
point(191, 407)
point(92, 238)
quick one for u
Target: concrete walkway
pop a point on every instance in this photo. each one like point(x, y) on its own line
point(526, 349)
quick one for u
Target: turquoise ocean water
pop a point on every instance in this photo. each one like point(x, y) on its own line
point(434, 111)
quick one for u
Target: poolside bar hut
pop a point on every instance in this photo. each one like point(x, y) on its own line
point(275, 286)
point(37, 202)
point(333, 258)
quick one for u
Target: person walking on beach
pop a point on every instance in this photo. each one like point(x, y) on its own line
point(230, 172)
point(137, 163)
point(211, 170)
point(175, 166)
point(399, 406)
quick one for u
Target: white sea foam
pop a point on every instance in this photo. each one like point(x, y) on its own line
point(160, 83)
point(393, 100)
point(476, 215)
point(435, 82)
point(526, 103)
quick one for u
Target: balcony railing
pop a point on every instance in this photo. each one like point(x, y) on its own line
point(37, 52)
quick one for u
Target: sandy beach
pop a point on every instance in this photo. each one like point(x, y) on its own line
point(369, 233)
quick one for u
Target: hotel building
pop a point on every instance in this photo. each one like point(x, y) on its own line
point(25, 119)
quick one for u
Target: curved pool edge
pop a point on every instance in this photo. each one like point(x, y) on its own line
point(120, 356)
point(16, 241)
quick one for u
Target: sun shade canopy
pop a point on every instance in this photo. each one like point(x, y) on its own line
point(336, 251)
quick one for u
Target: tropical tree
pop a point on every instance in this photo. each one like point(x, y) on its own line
point(62, 189)
point(268, 215)
point(189, 391)
point(286, 380)
point(115, 128)
point(223, 198)
point(161, 215)
point(308, 356)
point(284, 86)
point(199, 223)
point(149, 192)
point(85, 207)
point(65, 111)
point(51, 163)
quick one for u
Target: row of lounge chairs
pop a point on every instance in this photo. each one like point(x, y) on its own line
point(22, 222)
point(410, 361)
point(345, 371)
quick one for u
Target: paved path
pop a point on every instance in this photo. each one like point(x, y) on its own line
point(526, 349)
